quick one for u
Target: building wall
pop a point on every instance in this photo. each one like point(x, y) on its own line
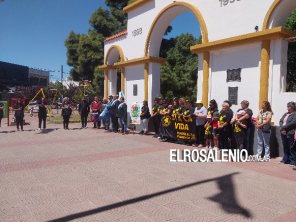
point(134, 76)
point(247, 58)
point(222, 21)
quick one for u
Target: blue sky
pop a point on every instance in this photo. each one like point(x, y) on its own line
point(33, 31)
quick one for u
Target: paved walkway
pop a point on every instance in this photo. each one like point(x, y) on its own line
point(92, 175)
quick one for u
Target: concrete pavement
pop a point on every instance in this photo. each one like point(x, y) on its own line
point(92, 175)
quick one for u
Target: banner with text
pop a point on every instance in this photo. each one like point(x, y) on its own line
point(178, 127)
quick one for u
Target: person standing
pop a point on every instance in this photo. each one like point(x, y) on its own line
point(200, 113)
point(287, 129)
point(213, 108)
point(122, 114)
point(84, 111)
point(106, 121)
point(114, 113)
point(1, 112)
point(239, 129)
point(209, 132)
point(66, 112)
point(96, 107)
point(155, 118)
point(248, 140)
point(144, 116)
point(19, 114)
point(263, 126)
point(42, 114)
point(225, 130)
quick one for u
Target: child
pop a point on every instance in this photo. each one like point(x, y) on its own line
point(208, 131)
point(215, 133)
point(239, 129)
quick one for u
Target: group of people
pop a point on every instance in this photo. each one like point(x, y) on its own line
point(215, 129)
point(226, 129)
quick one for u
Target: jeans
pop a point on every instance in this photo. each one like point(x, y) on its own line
point(123, 123)
point(263, 142)
point(106, 124)
point(144, 125)
point(289, 155)
point(43, 119)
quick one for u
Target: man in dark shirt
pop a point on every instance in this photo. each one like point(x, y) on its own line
point(249, 137)
point(19, 114)
point(155, 117)
point(84, 111)
point(225, 127)
point(42, 114)
point(114, 113)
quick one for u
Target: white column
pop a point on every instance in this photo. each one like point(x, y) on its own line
point(153, 83)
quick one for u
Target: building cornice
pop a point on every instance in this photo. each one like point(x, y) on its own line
point(269, 34)
point(135, 5)
point(142, 60)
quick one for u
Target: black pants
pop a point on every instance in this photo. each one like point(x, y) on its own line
point(66, 122)
point(240, 139)
point(42, 119)
point(225, 138)
point(0, 121)
point(83, 120)
point(114, 120)
point(249, 139)
point(19, 122)
point(156, 124)
point(200, 134)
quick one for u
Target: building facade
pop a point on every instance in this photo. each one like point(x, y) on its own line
point(243, 54)
point(18, 80)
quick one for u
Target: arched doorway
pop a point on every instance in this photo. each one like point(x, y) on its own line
point(278, 13)
point(114, 77)
point(274, 54)
point(153, 43)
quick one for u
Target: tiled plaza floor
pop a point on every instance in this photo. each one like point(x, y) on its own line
point(92, 175)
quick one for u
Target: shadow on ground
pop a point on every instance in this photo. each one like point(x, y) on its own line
point(14, 131)
point(46, 131)
point(226, 199)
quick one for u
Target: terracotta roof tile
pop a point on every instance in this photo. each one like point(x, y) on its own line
point(115, 36)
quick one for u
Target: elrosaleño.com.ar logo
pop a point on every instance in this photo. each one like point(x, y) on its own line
point(212, 155)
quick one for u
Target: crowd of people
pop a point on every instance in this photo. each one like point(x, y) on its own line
point(214, 128)
point(226, 129)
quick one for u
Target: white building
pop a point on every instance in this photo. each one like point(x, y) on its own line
point(243, 54)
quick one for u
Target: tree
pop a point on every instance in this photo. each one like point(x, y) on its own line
point(179, 74)
point(85, 52)
point(291, 66)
